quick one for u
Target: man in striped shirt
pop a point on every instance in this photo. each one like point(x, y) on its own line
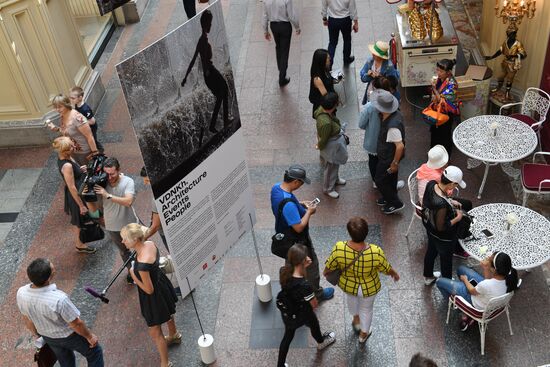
point(48, 312)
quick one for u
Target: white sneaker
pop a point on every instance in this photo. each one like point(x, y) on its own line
point(374, 185)
point(330, 337)
point(428, 281)
point(400, 184)
point(340, 181)
point(333, 194)
point(286, 365)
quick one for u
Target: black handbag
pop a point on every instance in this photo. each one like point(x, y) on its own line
point(281, 242)
point(90, 231)
point(45, 357)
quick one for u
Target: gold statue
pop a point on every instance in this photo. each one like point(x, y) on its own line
point(421, 13)
point(513, 53)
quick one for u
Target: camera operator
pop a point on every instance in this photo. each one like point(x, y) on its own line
point(118, 197)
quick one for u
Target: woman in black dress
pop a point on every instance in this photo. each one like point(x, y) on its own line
point(321, 81)
point(73, 177)
point(212, 77)
point(157, 298)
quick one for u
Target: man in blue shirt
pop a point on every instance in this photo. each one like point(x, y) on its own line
point(295, 217)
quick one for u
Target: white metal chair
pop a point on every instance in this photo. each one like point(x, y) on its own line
point(534, 108)
point(413, 193)
point(495, 307)
point(535, 177)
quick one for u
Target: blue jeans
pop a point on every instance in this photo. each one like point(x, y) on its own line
point(457, 287)
point(64, 350)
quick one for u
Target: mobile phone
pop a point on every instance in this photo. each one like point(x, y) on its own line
point(315, 201)
point(487, 233)
point(473, 282)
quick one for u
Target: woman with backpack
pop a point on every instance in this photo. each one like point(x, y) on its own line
point(297, 301)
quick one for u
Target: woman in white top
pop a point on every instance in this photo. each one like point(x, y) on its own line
point(499, 277)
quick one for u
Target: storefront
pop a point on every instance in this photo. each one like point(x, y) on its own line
point(94, 29)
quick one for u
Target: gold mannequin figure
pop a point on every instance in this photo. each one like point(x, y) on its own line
point(513, 53)
point(421, 12)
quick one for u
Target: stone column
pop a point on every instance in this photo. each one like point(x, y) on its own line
point(41, 55)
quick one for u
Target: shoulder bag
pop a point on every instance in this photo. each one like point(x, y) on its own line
point(433, 116)
point(333, 276)
point(45, 357)
point(90, 230)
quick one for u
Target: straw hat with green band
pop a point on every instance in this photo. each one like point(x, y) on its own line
point(380, 49)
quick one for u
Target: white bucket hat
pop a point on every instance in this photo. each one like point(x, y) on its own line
point(437, 157)
point(454, 174)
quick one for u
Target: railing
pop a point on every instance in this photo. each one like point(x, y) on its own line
point(84, 8)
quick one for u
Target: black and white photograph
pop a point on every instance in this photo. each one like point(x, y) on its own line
point(181, 97)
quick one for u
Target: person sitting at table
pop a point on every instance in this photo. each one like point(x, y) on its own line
point(441, 215)
point(499, 277)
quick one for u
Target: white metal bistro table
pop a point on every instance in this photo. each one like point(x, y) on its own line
point(512, 141)
point(527, 242)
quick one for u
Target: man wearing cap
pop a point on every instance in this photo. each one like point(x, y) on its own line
point(377, 65)
point(441, 218)
point(295, 217)
point(390, 150)
point(280, 16)
point(338, 16)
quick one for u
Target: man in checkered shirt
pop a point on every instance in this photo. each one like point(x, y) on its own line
point(48, 312)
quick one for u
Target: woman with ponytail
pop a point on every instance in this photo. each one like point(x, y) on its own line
point(499, 278)
point(301, 294)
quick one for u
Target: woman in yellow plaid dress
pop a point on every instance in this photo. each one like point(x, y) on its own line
point(360, 263)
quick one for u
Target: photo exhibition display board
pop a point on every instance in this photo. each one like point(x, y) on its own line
point(181, 96)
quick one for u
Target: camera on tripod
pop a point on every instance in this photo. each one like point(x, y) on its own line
point(94, 176)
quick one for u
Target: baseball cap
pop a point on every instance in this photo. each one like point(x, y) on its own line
point(297, 172)
point(454, 174)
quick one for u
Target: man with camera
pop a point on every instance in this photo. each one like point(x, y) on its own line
point(118, 197)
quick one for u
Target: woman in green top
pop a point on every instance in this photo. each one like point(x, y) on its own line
point(360, 264)
point(331, 143)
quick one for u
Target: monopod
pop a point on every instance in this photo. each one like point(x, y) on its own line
point(101, 295)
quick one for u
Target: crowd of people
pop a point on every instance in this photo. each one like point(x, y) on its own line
point(48, 312)
point(357, 261)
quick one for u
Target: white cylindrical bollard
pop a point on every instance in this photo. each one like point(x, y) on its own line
point(263, 287)
point(206, 346)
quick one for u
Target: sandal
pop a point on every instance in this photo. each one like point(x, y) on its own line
point(86, 250)
point(363, 339)
point(174, 339)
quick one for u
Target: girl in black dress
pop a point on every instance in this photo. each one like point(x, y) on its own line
point(157, 298)
point(212, 77)
point(73, 177)
point(293, 280)
point(321, 81)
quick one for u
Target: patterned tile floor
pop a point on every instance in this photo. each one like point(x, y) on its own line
point(409, 317)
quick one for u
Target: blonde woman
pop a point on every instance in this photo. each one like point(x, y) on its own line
point(75, 126)
point(157, 298)
point(73, 177)
point(360, 263)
